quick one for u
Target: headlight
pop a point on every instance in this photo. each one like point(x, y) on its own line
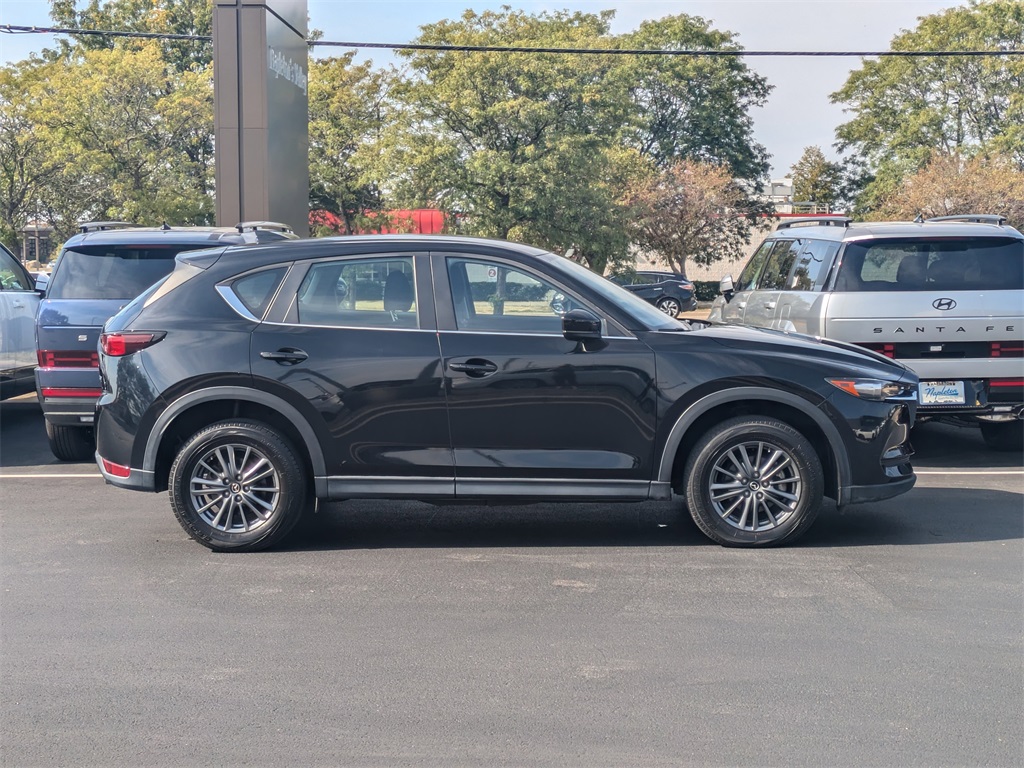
point(875, 389)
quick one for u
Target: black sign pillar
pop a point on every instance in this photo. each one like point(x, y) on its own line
point(261, 112)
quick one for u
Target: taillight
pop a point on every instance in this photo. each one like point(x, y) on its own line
point(120, 344)
point(1007, 349)
point(72, 358)
point(889, 350)
point(1006, 383)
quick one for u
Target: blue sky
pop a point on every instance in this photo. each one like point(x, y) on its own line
point(798, 113)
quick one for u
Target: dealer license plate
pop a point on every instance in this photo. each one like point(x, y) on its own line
point(941, 393)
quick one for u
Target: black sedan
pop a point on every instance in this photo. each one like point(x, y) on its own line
point(670, 292)
point(247, 383)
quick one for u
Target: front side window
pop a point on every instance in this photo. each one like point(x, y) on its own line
point(494, 296)
point(110, 271)
point(361, 293)
point(750, 272)
point(779, 264)
point(12, 278)
point(933, 264)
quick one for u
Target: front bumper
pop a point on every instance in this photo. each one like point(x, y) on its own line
point(861, 494)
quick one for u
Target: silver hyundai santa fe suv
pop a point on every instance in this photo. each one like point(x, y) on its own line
point(943, 296)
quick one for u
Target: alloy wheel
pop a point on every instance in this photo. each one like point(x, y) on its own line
point(755, 486)
point(234, 488)
point(669, 307)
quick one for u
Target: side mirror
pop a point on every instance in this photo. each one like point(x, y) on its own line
point(581, 325)
point(725, 287)
point(42, 281)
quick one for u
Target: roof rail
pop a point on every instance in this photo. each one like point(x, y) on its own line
point(254, 225)
point(98, 226)
point(821, 221)
point(977, 218)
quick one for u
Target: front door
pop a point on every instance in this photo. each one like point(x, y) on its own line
point(357, 346)
point(18, 304)
point(531, 413)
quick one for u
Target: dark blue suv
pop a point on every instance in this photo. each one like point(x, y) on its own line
point(98, 272)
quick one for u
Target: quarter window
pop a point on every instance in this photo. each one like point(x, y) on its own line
point(255, 291)
point(364, 293)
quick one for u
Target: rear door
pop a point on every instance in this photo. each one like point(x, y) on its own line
point(352, 341)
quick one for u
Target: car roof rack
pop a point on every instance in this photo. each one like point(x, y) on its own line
point(976, 218)
point(276, 226)
point(821, 221)
point(99, 226)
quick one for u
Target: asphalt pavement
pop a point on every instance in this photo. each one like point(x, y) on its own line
point(399, 634)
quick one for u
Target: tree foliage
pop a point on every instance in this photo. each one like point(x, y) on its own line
point(815, 179)
point(349, 110)
point(179, 17)
point(904, 109)
point(952, 183)
point(692, 211)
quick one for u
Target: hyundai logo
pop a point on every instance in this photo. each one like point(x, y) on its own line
point(944, 304)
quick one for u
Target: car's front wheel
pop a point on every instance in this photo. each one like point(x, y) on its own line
point(71, 443)
point(669, 306)
point(753, 481)
point(1003, 435)
point(237, 486)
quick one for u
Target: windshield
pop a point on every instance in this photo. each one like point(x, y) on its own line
point(933, 264)
point(110, 272)
point(651, 317)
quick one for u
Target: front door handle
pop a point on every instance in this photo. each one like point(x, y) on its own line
point(769, 305)
point(475, 367)
point(285, 356)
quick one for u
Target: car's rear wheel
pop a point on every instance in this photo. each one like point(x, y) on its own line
point(1003, 435)
point(669, 306)
point(237, 486)
point(71, 443)
point(753, 481)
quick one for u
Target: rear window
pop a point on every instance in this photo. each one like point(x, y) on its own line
point(937, 264)
point(110, 272)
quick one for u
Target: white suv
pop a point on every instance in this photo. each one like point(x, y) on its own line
point(943, 296)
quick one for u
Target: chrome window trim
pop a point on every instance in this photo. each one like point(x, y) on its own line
point(236, 303)
point(351, 327)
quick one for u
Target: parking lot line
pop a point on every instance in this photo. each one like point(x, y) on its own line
point(46, 474)
point(969, 471)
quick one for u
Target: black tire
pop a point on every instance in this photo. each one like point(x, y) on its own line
point(1003, 435)
point(229, 514)
point(71, 443)
point(753, 513)
point(670, 306)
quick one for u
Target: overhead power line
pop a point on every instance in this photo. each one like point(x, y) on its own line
point(14, 29)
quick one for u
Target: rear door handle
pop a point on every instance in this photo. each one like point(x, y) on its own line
point(475, 367)
point(285, 356)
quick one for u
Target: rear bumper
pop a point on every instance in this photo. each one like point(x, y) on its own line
point(137, 480)
point(69, 411)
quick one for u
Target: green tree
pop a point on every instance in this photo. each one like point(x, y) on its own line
point(25, 164)
point(692, 211)
point(692, 107)
point(180, 17)
point(349, 110)
point(906, 108)
point(128, 138)
point(517, 142)
point(815, 179)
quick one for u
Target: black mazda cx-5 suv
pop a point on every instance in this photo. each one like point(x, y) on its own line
point(253, 379)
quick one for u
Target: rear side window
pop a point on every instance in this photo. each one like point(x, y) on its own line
point(370, 293)
point(935, 264)
point(110, 272)
point(811, 269)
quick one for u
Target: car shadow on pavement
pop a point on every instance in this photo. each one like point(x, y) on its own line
point(926, 516)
